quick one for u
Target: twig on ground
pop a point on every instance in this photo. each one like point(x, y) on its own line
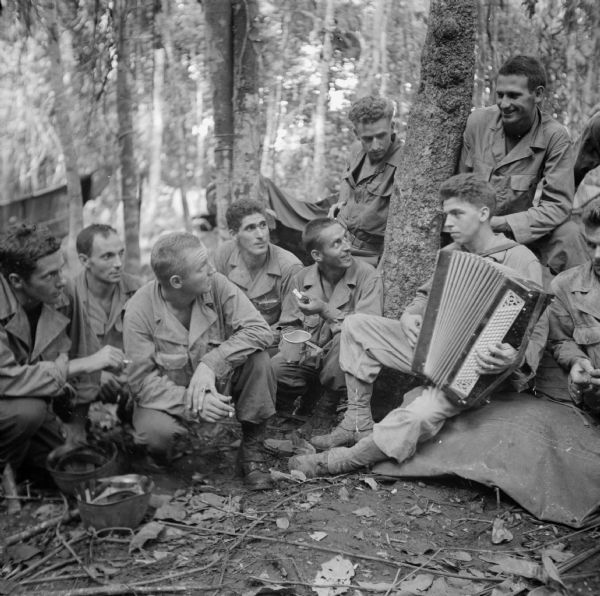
point(335, 551)
point(178, 575)
point(10, 490)
point(578, 559)
point(118, 589)
point(75, 556)
point(257, 521)
point(39, 528)
point(26, 572)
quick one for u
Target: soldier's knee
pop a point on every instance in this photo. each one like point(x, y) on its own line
point(29, 414)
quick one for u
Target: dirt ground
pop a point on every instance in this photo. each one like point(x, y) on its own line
point(357, 534)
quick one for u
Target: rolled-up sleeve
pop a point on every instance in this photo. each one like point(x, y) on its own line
point(250, 332)
point(42, 379)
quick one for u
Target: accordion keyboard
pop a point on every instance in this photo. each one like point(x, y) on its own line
point(495, 330)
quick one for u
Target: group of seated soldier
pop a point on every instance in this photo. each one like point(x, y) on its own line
point(201, 340)
point(197, 344)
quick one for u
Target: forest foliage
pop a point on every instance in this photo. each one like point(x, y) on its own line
point(304, 50)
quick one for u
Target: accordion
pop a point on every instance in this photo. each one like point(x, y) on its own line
point(473, 303)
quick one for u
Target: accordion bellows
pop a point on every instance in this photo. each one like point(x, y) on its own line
point(473, 303)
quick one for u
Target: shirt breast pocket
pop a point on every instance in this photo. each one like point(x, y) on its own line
point(587, 335)
point(174, 366)
point(522, 182)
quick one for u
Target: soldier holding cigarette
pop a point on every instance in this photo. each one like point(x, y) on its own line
point(196, 345)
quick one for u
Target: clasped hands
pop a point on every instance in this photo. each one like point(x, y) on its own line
point(203, 400)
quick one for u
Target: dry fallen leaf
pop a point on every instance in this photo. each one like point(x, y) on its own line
point(318, 536)
point(173, 511)
point(343, 494)
point(415, 511)
point(419, 583)
point(364, 512)
point(335, 571)
point(371, 482)
point(500, 534)
point(514, 566)
point(149, 531)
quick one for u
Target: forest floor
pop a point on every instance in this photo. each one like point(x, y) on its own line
point(356, 534)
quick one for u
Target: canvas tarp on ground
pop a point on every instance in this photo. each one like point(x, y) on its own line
point(544, 455)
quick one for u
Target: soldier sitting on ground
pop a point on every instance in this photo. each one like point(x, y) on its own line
point(575, 318)
point(331, 289)
point(103, 289)
point(260, 269)
point(369, 342)
point(196, 343)
point(49, 358)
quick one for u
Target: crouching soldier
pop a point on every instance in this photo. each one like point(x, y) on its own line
point(193, 337)
point(49, 357)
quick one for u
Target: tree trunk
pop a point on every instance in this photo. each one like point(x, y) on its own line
point(247, 112)
point(319, 189)
point(433, 142)
point(219, 55)
point(63, 104)
point(156, 137)
point(131, 204)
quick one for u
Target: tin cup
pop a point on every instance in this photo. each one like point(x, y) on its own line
point(294, 345)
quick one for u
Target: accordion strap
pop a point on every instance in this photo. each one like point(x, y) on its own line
point(496, 249)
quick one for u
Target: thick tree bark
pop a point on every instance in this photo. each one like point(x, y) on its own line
point(319, 189)
point(129, 195)
point(63, 104)
point(247, 113)
point(433, 142)
point(156, 137)
point(218, 18)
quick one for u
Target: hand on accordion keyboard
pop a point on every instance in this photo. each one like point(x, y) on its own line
point(496, 358)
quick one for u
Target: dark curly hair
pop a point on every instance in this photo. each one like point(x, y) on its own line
point(242, 208)
point(22, 246)
point(370, 109)
point(526, 66)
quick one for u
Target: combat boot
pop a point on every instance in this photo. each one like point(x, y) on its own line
point(251, 458)
point(335, 461)
point(357, 422)
point(338, 460)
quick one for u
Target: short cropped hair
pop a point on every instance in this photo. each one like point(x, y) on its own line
point(370, 109)
point(311, 236)
point(591, 214)
point(22, 246)
point(527, 66)
point(470, 189)
point(242, 208)
point(166, 256)
point(85, 238)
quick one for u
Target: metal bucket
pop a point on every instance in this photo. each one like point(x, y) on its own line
point(114, 502)
point(84, 462)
